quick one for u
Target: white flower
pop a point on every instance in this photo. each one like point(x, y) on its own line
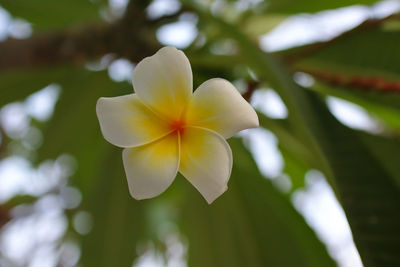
point(165, 128)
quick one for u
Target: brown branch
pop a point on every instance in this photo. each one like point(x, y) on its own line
point(251, 87)
point(3, 143)
point(356, 81)
point(168, 18)
point(131, 37)
point(4, 215)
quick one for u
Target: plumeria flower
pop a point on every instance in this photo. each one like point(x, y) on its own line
point(165, 127)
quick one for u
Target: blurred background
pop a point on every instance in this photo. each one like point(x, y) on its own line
point(317, 184)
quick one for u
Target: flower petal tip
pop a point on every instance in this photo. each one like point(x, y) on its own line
point(135, 196)
point(143, 196)
point(210, 200)
point(138, 196)
point(98, 105)
point(253, 119)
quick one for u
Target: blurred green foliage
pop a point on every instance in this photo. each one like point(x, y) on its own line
point(254, 223)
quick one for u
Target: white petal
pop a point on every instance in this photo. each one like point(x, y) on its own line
point(218, 106)
point(164, 82)
point(206, 161)
point(151, 168)
point(126, 122)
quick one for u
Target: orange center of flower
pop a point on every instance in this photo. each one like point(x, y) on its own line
point(178, 126)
